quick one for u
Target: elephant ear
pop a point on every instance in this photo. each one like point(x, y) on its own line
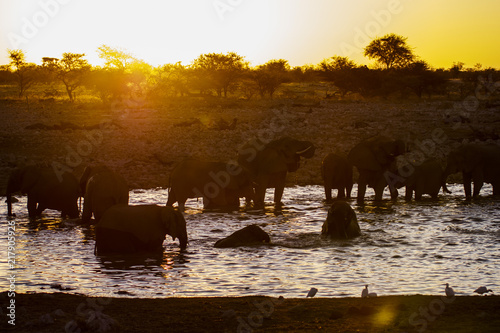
point(174, 225)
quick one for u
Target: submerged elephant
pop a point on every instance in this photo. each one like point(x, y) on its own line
point(478, 163)
point(101, 188)
point(250, 235)
point(341, 222)
point(373, 158)
point(336, 172)
point(269, 163)
point(426, 178)
point(45, 189)
point(128, 229)
point(221, 185)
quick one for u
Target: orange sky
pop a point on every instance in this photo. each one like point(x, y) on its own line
point(302, 32)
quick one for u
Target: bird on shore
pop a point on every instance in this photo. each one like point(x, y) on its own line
point(312, 292)
point(483, 290)
point(449, 291)
point(364, 293)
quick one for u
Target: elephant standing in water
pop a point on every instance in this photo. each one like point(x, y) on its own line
point(341, 222)
point(336, 172)
point(101, 188)
point(426, 178)
point(220, 184)
point(45, 189)
point(269, 163)
point(127, 229)
point(478, 163)
point(373, 158)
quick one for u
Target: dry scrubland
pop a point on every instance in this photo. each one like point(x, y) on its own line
point(143, 142)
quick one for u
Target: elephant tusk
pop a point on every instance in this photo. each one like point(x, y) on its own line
point(303, 151)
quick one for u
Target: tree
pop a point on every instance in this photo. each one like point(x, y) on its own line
point(218, 71)
point(340, 70)
point(25, 73)
point(71, 69)
point(114, 57)
point(390, 51)
point(271, 75)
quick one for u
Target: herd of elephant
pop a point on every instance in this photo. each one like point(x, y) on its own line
point(123, 228)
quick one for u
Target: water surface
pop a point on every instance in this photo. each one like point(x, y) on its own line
point(405, 248)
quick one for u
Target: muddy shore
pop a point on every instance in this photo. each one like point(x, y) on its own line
point(59, 312)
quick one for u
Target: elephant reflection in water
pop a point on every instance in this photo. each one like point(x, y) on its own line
point(101, 188)
point(221, 185)
point(128, 229)
point(46, 188)
point(478, 163)
point(268, 164)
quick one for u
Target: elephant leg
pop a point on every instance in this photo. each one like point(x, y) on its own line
point(478, 184)
point(171, 198)
point(87, 210)
point(278, 190)
point(408, 193)
point(32, 209)
point(328, 193)
point(260, 193)
point(418, 195)
point(467, 179)
point(361, 190)
point(341, 192)
point(348, 191)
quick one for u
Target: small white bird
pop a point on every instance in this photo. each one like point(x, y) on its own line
point(483, 290)
point(449, 291)
point(312, 292)
point(364, 293)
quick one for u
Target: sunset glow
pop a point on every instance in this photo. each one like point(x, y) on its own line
point(302, 32)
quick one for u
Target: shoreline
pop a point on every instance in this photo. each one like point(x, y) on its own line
point(51, 312)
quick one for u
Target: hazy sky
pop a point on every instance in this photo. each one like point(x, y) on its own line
point(300, 31)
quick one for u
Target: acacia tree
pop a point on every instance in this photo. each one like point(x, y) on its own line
point(340, 70)
point(218, 71)
point(271, 75)
point(24, 72)
point(390, 51)
point(72, 70)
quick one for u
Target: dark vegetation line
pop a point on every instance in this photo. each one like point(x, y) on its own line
point(397, 71)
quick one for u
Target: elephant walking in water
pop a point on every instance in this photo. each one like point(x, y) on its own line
point(101, 188)
point(45, 189)
point(268, 164)
point(336, 172)
point(373, 158)
point(426, 178)
point(478, 163)
point(127, 229)
point(221, 185)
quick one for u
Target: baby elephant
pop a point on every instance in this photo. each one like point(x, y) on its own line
point(250, 235)
point(127, 229)
point(341, 222)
